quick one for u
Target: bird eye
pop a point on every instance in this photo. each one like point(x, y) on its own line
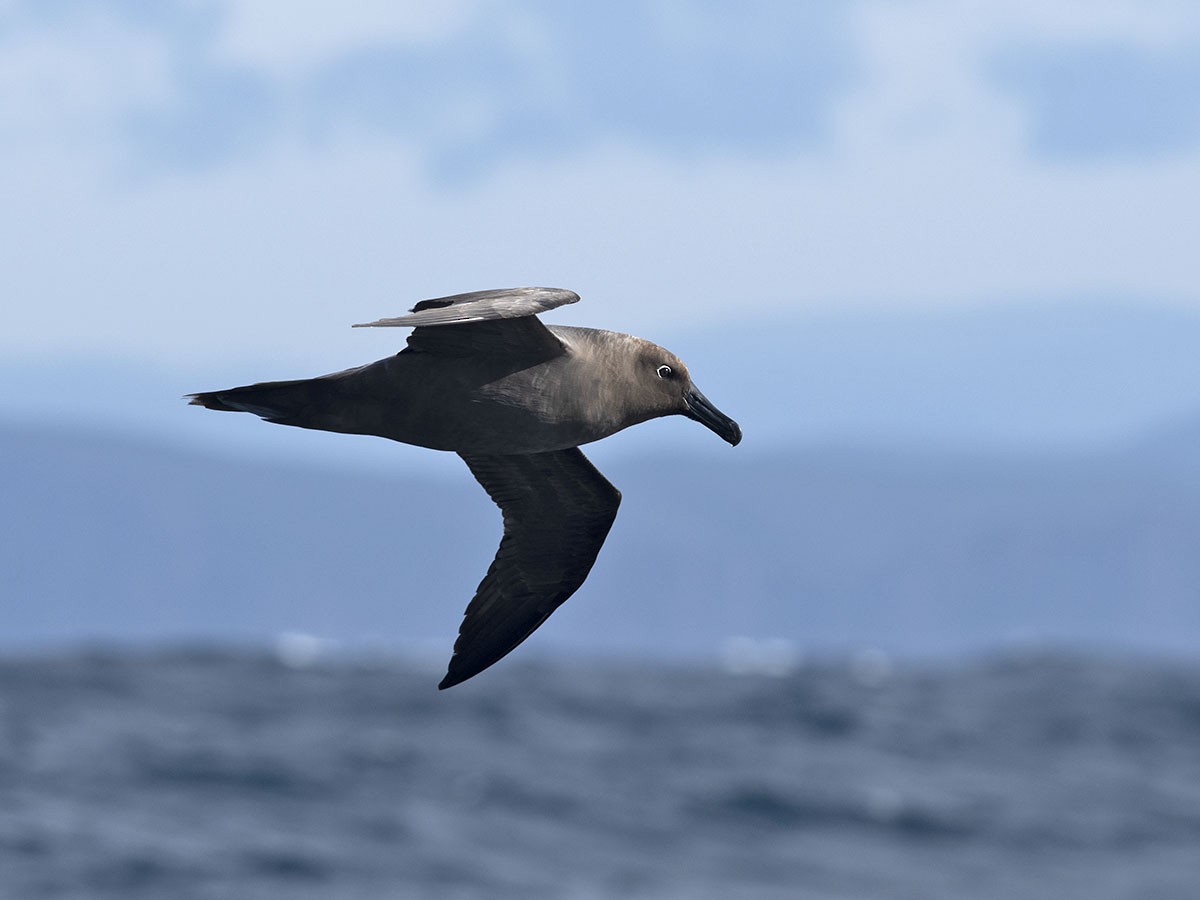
point(665, 372)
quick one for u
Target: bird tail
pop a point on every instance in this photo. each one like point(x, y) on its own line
point(307, 403)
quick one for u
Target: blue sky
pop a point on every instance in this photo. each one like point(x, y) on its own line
point(191, 181)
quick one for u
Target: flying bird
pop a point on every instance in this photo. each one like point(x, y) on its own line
point(482, 377)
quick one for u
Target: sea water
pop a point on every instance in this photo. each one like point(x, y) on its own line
point(220, 774)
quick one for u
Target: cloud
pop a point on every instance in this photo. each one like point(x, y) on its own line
point(286, 37)
point(469, 84)
point(275, 261)
point(1107, 99)
point(291, 196)
point(214, 116)
point(70, 83)
point(685, 78)
point(477, 83)
point(761, 77)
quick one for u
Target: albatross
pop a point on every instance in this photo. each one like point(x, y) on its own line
point(483, 377)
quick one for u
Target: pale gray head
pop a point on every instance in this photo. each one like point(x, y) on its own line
point(666, 379)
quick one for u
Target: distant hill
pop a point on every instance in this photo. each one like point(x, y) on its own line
point(109, 538)
point(1053, 375)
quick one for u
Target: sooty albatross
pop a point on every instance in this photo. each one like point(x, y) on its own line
point(482, 377)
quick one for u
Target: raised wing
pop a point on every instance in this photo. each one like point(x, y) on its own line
point(557, 512)
point(479, 306)
point(499, 322)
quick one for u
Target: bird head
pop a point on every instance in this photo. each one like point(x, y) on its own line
point(675, 394)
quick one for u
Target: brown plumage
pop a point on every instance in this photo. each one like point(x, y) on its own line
point(481, 376)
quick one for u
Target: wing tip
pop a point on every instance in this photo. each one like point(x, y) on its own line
point(382, 323)
point(453, 678)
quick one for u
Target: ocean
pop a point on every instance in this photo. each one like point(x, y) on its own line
point(239, 774)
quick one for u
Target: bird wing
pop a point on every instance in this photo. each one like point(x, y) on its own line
point(477, 306)
point(497, 321)
point(557, 512)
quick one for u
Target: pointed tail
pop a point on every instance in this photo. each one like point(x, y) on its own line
point(307, 403)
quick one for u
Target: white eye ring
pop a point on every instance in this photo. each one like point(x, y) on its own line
point(664, 371)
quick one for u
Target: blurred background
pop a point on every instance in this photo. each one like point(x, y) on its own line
point(931, 629)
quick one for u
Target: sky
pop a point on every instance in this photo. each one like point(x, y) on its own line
point(849, 216)
point(230, 185)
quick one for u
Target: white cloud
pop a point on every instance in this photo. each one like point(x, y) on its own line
point(926, 63)
point(971, 23)
point(284, 36)
point(77, 82)
point(921, 87)
point(1151, 22)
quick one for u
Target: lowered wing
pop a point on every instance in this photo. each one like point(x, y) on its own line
point(557, 512)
